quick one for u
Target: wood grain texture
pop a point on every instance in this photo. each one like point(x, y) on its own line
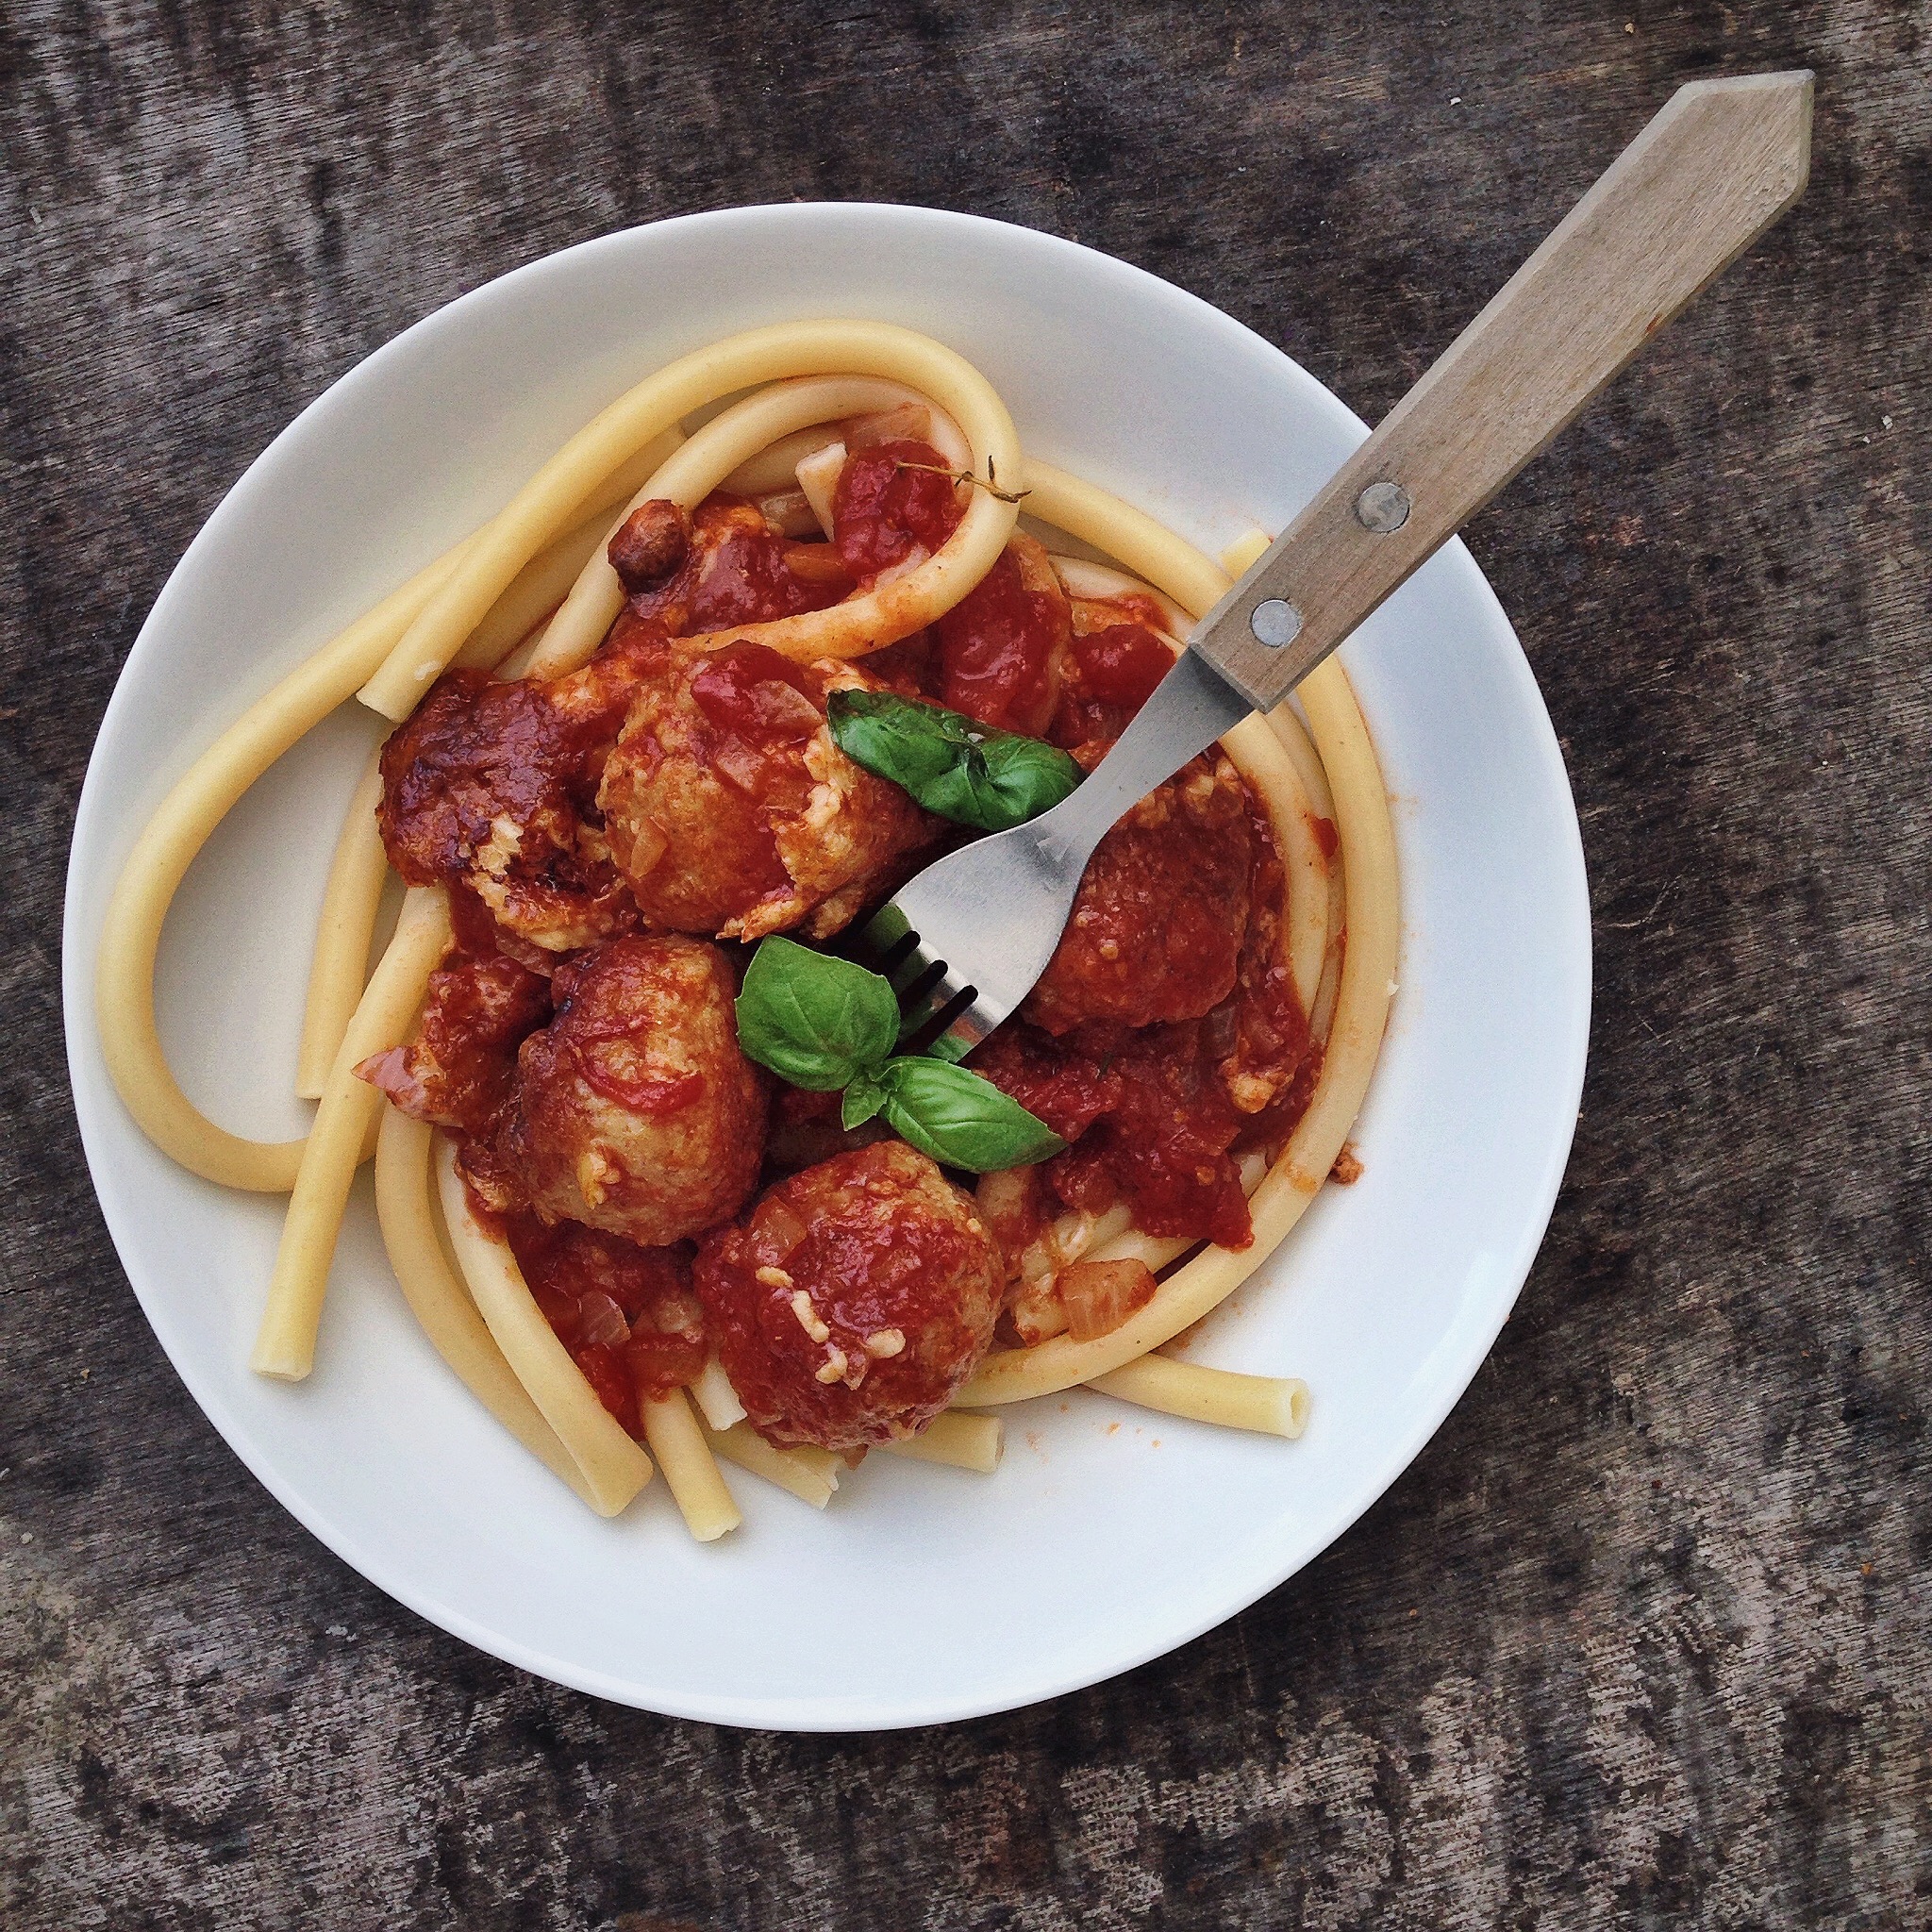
point(1716, 165)
point(1643, 1637)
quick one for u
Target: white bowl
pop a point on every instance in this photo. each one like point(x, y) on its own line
point(1111, 1534)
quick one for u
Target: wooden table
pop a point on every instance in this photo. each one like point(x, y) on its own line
point(1643, 1637)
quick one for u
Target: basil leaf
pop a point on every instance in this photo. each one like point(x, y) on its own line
point(952, 764)
point(864, 1096)
point(815, 1019)
point(1026, 776)
point(960, 1117)
point(911, 743)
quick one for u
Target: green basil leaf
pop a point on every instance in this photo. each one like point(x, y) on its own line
point(896, 738)
point(952, 764)
point(815, 1019)
point(960, 1117)
point(864, 1096)
point(1027, 777)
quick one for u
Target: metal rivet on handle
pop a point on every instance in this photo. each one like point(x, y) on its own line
point(1275, 621)
point(1382, 508)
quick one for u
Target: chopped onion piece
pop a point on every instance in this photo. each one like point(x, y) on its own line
point(1099, 1295)
point(603, 1320)
point(902, 423)
point(778, 1231)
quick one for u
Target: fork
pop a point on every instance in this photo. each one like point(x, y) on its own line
point(965, 941)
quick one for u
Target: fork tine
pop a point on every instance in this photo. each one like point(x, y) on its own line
point(939, 1013)
point(918, 981)
point(924, 1020)
point(886, 928)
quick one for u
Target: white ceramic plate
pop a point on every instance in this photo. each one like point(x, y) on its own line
point(1110, 1534)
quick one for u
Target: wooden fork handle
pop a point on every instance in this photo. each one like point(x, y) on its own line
point(1709, 173)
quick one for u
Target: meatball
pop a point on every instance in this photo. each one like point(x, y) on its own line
point(491, 788)
point(1156, 927)
point(458, 1070)
point(635, 1109)
point(855, 1300)
point(729, 810)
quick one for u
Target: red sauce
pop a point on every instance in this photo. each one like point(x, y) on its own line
point(761, 698)
point(577, 1275)
point(459, 1069)
point(759, 708)
point(1069, 1090)
point(1150, 1110)
point(1164, 1147)
point(1156, 927)
point(1270, 1129)
point(885, 513)
point(1109, 674)
point(739, 570)
point(654, 1099)
point(998, 648)
point(479, 755)
point(474, 929)
point(907, 667)
point(1158, 1123)
point(473, 750)
point(1261, 1031)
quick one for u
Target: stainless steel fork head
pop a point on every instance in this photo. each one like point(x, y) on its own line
point(976, 930)
point(967, 938)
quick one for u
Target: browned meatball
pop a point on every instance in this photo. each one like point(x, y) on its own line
point(855, 1301)
point(635, 1111)
point(1156, 932)
point(729, 810)
point(458, 1071)
point(490, 788)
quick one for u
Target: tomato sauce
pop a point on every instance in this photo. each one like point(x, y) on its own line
point(739, 570)
point(999, 650)
point(459, 1069)
point(1156, 927)
point(896, 502)
point(1157, 1114)
point(1149, 1118)
point(756, 695)
point(1109, 674)
point(475, 750)
point(757, 709)
point(626, 1314)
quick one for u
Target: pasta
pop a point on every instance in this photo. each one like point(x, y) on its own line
point(1270, 1405)
point(442, 1304)
point(613, 1467)
point(350, 902)
point(545, 1063)
point(958, 1438)
point(538, 512)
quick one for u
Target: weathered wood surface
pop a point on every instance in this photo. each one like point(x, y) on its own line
point(1643, 1638)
